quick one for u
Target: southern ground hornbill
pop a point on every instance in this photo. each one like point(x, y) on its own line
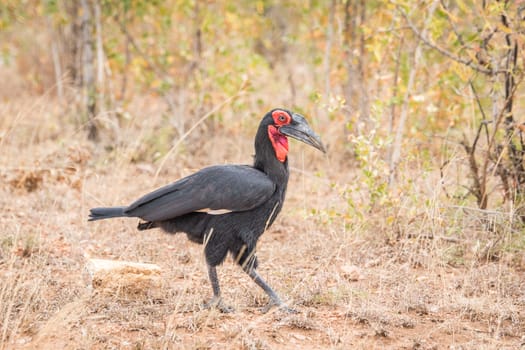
point(227, 207)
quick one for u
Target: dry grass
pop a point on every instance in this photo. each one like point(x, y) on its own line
point(415, 272)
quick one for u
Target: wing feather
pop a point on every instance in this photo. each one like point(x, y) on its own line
point(222, 187)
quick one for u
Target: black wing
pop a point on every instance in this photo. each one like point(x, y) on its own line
point(227, 187)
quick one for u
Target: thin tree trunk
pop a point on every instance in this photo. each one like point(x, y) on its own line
point(56, 63)
point(72, 43)
point(349, 87)
point(356, 87)
point(88, 71)
point(328, 50)
point(395, 88)
point(364, 104)
point(124, 82)
point(516, 152)
point(398, 140)
point(99, 47)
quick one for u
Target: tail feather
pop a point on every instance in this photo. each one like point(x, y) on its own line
point(106, 213)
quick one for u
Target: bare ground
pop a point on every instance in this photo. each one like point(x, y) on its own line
point(359, 283)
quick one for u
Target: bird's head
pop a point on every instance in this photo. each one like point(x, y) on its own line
point(282, 123)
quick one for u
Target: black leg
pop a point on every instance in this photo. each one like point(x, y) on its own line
point(212, 274)
point(216, 300)
point(274, 298)
point(262, 283)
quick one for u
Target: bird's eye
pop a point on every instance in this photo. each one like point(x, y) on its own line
point(280, 117)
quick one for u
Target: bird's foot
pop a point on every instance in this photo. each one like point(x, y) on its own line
point(281, 307)
point(217, 303)
point(288, 310)
point(146, 225)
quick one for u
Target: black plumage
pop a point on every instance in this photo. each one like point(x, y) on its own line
point(227, 207)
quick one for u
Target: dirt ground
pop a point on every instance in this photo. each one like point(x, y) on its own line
point(355, 283)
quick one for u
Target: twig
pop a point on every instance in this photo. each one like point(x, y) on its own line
point(445, 9)
point(436, 237)
point(444, 52)
point(484, 211)
point(477, 330)
point(484, 121)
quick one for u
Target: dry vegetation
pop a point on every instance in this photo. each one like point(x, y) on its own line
point(367, 261)
point(414, 273)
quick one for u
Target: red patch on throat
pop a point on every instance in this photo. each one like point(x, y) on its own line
point(279, 143)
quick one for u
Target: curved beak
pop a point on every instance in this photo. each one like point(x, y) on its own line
point(300, 130)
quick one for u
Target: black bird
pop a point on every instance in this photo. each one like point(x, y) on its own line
point(227, 207)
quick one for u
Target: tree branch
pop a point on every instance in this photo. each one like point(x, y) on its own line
point(444, 52)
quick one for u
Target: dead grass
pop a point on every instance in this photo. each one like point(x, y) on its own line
point(415, 273)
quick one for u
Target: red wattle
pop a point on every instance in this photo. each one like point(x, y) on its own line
point(279, 143)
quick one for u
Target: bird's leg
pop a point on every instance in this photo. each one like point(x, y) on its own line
point(274, 298)
point(216, 300)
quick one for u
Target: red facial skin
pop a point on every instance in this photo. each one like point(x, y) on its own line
point(279, 141)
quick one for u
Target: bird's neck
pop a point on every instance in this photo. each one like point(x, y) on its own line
point(267, 162)
point(276, 170)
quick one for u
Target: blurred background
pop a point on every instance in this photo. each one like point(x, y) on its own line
point(420, 104)
point(431, 80)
